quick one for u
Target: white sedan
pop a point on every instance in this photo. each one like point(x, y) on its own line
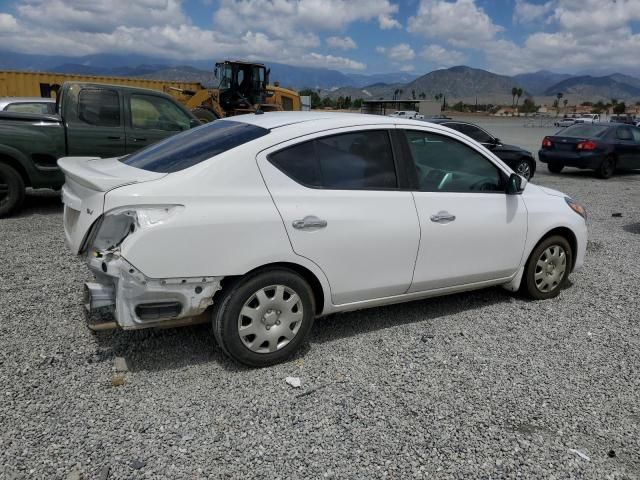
point(262, 222)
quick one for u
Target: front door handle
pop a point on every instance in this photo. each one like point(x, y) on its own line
point(443, 217)
point(138, 139)
point(309, 222)
point(114, 138)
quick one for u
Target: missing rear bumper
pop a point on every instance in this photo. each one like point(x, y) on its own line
point(136, 301)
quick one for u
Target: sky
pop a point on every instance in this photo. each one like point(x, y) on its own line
point(356, 36)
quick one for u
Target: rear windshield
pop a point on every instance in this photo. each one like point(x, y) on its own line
point(583, 130)
point(193, 146)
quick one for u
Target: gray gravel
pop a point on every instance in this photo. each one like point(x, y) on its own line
point(477, 385)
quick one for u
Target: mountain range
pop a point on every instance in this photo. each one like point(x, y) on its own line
point(455, 83)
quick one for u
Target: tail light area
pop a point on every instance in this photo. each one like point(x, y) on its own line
point(587, 145)
point(547, 143)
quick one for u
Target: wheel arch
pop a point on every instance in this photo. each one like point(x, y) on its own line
point(564, 232)
point(314, 282)
point(14, 163)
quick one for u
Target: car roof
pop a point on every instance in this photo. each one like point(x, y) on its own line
point(271, 120)
point(26, 100)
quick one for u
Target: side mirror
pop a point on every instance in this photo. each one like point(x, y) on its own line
point(496, 141)
point(194, 122)
point(514, 185)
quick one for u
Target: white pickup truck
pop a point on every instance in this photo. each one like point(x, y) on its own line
point(407, 114)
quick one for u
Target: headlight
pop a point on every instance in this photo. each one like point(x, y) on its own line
point(119, 223)
point(576, 207)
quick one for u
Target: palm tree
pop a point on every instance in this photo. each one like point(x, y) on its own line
point(424, 95)
point(395, 93)
point(559, 96)
point(514, 92)
point(518, 94)
point(413, 94)
point(565, 101)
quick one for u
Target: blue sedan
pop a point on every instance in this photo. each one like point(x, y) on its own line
point(603, 147)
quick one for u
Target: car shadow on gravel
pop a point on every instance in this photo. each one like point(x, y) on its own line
point(176, 348)
point(40, 202)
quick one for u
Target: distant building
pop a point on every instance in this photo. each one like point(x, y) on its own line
point(386, 107)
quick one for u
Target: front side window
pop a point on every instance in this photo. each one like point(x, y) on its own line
point(194, 146)
point(149, 112)
point(636, 134)
point(349, 161)
point(99, 106)
point(444, 164)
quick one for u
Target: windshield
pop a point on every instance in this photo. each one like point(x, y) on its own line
point(583, 130)
point(224, 74)
point(193, 146)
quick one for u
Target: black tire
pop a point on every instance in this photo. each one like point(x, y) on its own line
point(226, 316)
point(11, 190)
point(204, 114)
point(607, 168)
point(532, 284)
point(555, 167)
point(524, 168)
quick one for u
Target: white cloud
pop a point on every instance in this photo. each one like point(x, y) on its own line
point(443, 57)
point(330, 61)
point(526, 12)
point(281, 17)
point(461, 23)
point(407, 68)
point(344, 43)
point(387, 22)
point(8, 23)
point(592, 16)
point(398, 53)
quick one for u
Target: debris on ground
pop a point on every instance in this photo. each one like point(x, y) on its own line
point(117, 380)
point(121, 365)
point(294, 381)
point(580, 454)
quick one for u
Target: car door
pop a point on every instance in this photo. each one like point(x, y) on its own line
point(471, 230)
point(96, 127)
point(342, 207)
point(151, 118)
point(625, 147)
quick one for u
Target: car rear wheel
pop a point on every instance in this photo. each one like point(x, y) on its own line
point(606, 168)
point(11, 190)
point(524, 168)
point(555, 167)
point(548, 268)
point(264, 318)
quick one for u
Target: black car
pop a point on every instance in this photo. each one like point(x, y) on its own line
point(519, 160)
point(603, 147)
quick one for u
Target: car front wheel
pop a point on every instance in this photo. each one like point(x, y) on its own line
point(264, 318)
point(523, 168)
point(548, 268)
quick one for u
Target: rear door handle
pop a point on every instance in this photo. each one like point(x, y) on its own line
point(310, 222)
point(139, 139)
point(114, 138)
point(443, 217)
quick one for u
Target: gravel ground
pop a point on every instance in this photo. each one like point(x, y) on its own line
point(477, 385)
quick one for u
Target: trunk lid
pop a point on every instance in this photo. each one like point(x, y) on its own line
point(566, 144)
point(87, 180)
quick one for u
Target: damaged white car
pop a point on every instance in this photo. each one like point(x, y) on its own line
point(260, 223)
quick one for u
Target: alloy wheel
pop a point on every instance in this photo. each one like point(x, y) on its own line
point(270, 319)
point(524, 169)
point(550, 268)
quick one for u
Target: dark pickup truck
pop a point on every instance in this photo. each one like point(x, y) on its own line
point(92, 120)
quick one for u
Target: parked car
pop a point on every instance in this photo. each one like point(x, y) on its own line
point(95, 120)
point(587, 118)
point(603, 147)
point(407, 114)
point(274, 219)
point(28, 105)
point(519, 160)
point(565, 122)
point(627, 119)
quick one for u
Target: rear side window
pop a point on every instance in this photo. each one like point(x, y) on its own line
point(624, 133)
point(99, 106)
point(194, 146)
point(583, 130)
point(349, 161)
